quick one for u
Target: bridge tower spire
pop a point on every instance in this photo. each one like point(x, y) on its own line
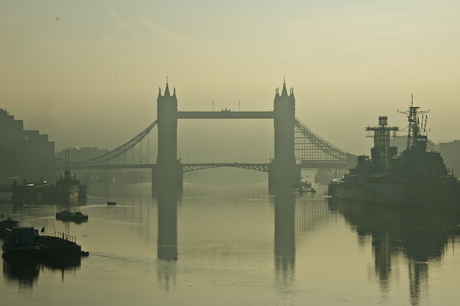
point(168, 168)
point(283, 169)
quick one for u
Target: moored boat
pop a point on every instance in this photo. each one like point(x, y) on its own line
point(58, 248)
point(24, 244)
point(30, 191)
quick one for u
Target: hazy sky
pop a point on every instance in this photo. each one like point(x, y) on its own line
point(87, 72)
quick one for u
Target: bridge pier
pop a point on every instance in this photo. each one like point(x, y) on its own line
point(167, 175)
point(280, 176)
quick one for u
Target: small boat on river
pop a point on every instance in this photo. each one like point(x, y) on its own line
point(111, 203)
point(66, 215)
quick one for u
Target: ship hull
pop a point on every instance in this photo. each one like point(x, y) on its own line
point(63, 193)
point(421, 195)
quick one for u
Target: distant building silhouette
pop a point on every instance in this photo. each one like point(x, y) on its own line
point(450, 151)
point(19, 149)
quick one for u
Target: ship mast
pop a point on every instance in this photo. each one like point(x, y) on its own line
point(414, 135)
point(67, 170)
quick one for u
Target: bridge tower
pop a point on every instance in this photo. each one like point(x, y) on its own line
point(284, 172)
point(168, 170)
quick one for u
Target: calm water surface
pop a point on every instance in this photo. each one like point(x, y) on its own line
point(240, 245)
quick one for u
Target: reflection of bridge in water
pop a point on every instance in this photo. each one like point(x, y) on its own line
point(295, 217)
point(296, 146)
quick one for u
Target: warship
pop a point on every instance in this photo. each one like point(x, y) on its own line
point(416, 177)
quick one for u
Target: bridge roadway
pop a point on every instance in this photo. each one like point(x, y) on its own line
point(264, 167)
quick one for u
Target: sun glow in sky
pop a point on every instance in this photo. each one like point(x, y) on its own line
point(87, 72)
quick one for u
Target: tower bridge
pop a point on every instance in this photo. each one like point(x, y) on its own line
point(296, 147)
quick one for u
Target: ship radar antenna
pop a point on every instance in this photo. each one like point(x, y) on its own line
point(414, 136)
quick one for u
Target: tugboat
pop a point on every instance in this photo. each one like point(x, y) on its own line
point(417, 177)
point(20, 243)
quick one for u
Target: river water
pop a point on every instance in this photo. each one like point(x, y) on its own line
point(240, 245)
